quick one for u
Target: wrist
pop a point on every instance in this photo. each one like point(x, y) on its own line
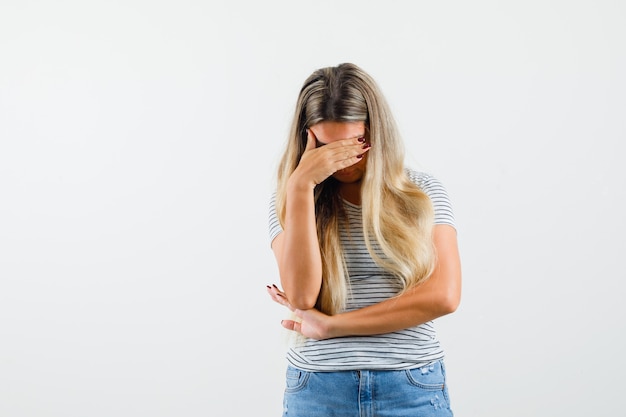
point(295, 183)
point(335, 326)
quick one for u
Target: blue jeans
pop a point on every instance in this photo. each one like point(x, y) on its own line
point(420, 392)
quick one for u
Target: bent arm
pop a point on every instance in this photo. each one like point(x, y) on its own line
point(438, 296)
point(297, 250)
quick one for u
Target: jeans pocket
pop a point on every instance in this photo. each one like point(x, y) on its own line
point(296, 379)
point(430, 377)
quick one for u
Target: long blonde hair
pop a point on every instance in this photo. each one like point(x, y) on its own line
point(397, 214)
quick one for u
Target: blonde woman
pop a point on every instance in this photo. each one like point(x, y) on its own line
point(368, 257)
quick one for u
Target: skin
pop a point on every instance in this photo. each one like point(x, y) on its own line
point(297, 248)
point(350, 177)
point(299, 261)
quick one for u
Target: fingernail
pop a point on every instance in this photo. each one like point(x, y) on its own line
point(361, 139)
point(274, 285)
point(367, 146)
point(360, 156)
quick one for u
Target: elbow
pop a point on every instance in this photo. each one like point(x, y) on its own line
point(303, 301)
point(449, 296)
point(301, 298)
point(449, 302)
point(301, 291)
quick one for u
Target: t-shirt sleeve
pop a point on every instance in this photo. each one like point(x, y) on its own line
point(437, 193)
point(274, 225)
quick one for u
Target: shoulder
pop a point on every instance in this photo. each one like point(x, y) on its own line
point(416, 176)
point(437, 193)
point(427, 182)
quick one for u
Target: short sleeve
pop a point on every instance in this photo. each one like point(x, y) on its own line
point(437, 193)
point(274, 225)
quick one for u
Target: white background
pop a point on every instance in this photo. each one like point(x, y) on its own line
point(138, 145)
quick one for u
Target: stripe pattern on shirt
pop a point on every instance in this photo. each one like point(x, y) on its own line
point(369, 284)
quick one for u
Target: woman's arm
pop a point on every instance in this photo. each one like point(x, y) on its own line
point(438, 296)
point(296, 248)
point(297, 251)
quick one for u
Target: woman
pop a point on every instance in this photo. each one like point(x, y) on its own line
point(367, 255)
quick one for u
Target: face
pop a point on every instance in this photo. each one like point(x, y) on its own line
point(328, 132)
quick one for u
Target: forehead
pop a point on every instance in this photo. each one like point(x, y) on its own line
point(328, 132)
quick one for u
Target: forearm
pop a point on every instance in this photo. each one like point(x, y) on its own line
point(300, 263)
point(438, 296)
point(414, 307)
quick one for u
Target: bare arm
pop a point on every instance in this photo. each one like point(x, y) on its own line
point(438, 296)
point(296, 248)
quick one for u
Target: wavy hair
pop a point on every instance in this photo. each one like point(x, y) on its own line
point(397, 214)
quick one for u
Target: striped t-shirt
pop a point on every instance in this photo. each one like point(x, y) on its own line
point(369, 284)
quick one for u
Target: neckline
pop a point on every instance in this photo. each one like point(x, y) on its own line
point(349, 204)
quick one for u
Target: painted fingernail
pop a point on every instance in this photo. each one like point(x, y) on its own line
point(360, 156)
point(361, 139)
point(367, 146)
point(274, 285)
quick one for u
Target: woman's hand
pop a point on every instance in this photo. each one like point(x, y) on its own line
point(310, 323)
point(438, 296)
point(319, 163)
point(279, 296)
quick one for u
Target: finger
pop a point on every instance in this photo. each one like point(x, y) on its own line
point(290, 325)
point(355, 142)
point(279, 297)
point(348, 148)
point(277, 291)
point(274, 288)
point(348, 156)
point(274, 294)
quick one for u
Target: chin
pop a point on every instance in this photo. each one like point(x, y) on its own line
point(348, 178)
